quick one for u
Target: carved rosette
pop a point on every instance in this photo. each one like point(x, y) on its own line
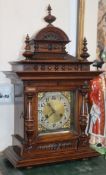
point(29, 120)
point(84, 140)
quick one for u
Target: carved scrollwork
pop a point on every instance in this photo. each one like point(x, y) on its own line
point(43, 67)
point(63, 67)
point(70, 67)
point(55, 67)
point(59, 146)
point(35, 67)
point(50, 67)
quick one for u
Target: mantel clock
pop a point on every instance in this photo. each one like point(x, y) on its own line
point(55, 90)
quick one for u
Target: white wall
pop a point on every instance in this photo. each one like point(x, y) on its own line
point(6, 117)
point(90, 26)
point(6, 125)
point(19, 17)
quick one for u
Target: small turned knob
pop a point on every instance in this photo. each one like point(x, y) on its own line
point(84, 55)
point(27, 54)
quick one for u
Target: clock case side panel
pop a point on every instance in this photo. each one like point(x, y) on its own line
point(18, 137)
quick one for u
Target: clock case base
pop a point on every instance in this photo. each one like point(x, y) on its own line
point(62, 156)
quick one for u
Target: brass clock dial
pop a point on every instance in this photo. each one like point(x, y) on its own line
point(54, 111)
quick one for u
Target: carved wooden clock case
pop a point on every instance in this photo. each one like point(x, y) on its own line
point(56, 106)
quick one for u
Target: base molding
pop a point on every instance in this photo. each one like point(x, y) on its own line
point(19, 161)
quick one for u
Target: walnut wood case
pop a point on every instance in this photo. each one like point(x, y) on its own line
point(48, 67)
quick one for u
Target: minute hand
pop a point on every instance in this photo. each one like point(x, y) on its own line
point(54, 111)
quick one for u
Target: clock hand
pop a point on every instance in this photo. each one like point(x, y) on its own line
point(54, 111)
point(47, 116)
point(51, 107)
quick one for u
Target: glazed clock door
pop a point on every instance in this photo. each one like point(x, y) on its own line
point(55, 111)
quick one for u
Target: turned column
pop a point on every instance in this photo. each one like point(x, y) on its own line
point(29, 119)
point(84, 112)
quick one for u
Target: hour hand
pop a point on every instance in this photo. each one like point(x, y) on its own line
point(47, 116)
point(54, 111)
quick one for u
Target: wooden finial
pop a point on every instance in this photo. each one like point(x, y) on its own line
point(84, 55)
point(49, 9)
point(49, 18)
point(27, 53)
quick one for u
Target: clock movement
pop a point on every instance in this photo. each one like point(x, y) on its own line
point(56, 105)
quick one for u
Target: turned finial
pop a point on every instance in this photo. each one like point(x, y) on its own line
point(49, 18)
point(49, 9)
point(27, 54)
point(84, 55)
